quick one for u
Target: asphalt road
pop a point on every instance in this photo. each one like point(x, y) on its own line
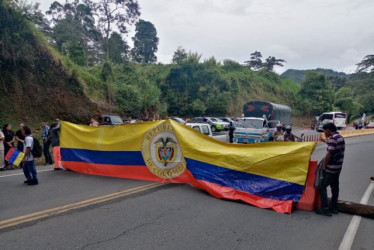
point(173, 216)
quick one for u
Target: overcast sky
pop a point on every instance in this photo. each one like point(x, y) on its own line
point(308, 34)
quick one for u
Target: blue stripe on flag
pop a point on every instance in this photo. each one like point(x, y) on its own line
point(246, 182)
point(134, 158)
point(14, 156)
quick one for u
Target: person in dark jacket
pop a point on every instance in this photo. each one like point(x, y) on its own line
point(231, 132)
point(9, 139)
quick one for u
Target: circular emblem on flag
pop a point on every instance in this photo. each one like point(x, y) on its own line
point(162, 153)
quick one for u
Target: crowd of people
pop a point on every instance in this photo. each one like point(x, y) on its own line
point(24, 141)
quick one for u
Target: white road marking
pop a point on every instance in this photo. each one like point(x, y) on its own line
point(22, 173)
point(350, 234)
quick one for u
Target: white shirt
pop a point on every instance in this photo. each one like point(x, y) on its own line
point(2, 141)
point(29, 143)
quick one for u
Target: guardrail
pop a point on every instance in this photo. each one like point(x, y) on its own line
point(352, 133)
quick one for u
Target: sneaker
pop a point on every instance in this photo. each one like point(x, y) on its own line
point(26, 182)
point(372, 178)
point(323, 211)
point(31, 183)
point(57, 169)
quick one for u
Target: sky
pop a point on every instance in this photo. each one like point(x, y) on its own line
point(308, 34)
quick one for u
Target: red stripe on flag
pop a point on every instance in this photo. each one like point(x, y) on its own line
point(9, 154)
point(142, 173)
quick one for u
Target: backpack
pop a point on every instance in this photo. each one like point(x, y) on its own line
point(37, 149)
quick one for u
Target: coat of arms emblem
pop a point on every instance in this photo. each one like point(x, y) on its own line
point(162, 153)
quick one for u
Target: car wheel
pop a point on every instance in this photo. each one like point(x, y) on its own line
point(214, 129)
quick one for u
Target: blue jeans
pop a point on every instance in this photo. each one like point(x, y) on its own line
point(30, 169)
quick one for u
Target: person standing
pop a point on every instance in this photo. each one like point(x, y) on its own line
point(20, 138)
point(54, 137)
point(231, 132)
point(2, 156)
point(332, 167)
point(94, 123)
point(8, 140)
point(46, 143)
point(29, 168)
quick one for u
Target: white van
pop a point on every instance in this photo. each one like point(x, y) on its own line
point(201, 127)
point(338, 118)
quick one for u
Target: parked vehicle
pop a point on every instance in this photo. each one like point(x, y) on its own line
point(338, 118)
point(177, 119)
point(201, 127)
point(370, 125)
point(271, 111)
point(227, 119)
point(226, 125)
point(112, 120)
point(215, 126)
point(254, 130)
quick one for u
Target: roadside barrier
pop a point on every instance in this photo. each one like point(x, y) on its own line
point(353, 133)
point(309, 200)
point(311, 138)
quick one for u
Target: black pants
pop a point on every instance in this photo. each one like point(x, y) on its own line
point(332, 180)
point(231, 137)
point(47, 154)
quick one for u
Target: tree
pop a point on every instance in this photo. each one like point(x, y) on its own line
point(74, 24)
point(179, 55)
point(366, 63)
point(116, 13)
point(145, 43)
point(255, 62)
point(271, 61)
point(317, 93)
point(119, 49)
point(32, 12)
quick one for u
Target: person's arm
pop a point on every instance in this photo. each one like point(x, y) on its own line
point(18, 139)
point(296, 136)
point(28, 149)
point(327, 160)
point(2, 137)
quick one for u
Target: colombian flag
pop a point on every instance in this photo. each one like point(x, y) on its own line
point(266, 175)
point(14, 156)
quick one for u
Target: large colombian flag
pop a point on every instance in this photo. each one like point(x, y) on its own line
point(266, 175)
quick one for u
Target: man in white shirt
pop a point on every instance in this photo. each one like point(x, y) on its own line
point(29, 168)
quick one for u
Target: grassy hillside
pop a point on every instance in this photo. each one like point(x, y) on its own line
point(35, 82)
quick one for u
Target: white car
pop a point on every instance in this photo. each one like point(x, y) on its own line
point(201, 127)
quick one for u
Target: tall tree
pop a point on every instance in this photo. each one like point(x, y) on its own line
point(271, 61)
point(119, 49)
point(74, 26)
point(366, 63)
point(179, 55)
point(116, 14)
point(255, 61)
point(145, 43)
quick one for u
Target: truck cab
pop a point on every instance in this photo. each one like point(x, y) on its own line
point(253, 130)
point(112, 120)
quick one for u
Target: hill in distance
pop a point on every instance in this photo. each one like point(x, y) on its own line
point(299, 75)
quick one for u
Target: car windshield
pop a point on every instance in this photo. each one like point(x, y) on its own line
point(250, 123)
point(116, 120)
point(215, 119)
point(340, 115)
point(219, 120)
point(205, 129)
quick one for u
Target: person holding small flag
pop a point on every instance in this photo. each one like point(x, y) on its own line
point(29, 168)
